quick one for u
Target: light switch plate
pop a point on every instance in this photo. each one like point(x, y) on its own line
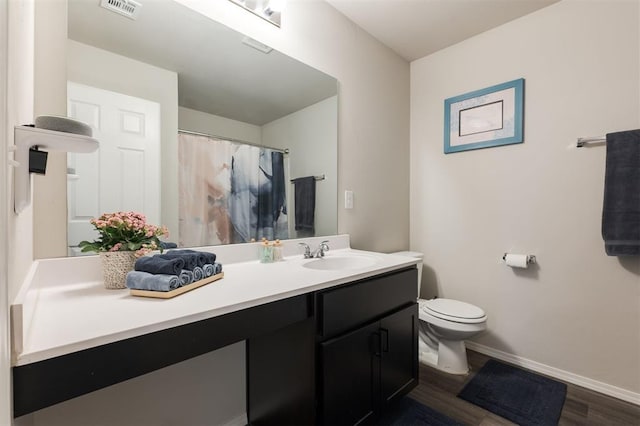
point(348, 199)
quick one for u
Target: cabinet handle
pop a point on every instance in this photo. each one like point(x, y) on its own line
point(376, 346)
point(385, 346)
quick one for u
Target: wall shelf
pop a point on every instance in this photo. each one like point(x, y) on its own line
point(26, 137)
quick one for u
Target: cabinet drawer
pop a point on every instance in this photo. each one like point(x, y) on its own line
point(354, 304)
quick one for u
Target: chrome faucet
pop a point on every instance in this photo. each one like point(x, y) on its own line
point(321, 249)
point(307, 250)
point(318, 253)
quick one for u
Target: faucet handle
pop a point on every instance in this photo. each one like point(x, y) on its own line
point(324, 246)
point(307, 250)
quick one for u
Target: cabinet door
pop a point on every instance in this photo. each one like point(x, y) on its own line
point(399, 348)
point(349, 376)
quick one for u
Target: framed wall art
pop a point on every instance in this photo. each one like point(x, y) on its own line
point(484, 118)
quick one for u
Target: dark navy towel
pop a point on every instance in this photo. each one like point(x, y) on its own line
point(621, 205)
point(157, 265)
point(305, 203)
point(165, 245)
point(202, 257)
point(190, 259)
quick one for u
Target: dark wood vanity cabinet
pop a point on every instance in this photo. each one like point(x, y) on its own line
point(343, 365)
point(364, 370)
point(368, 366)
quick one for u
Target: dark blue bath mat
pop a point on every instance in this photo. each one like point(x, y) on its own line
point(517, 395)
point(409, 412)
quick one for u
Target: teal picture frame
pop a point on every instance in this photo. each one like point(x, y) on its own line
point(489, 117)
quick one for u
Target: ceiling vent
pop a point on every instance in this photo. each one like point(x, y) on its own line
point(128, 8)
point(257, 45)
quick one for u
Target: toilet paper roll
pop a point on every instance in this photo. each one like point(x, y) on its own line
point(516, 260)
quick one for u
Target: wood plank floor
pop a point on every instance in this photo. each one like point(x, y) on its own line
point(438, 390)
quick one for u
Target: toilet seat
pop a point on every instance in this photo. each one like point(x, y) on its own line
point(453, 310)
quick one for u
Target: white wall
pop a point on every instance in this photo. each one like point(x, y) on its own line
point(18, 83)
point(579, 310)
point(311, 136)
point(103, 69)
point(20, 96)
point(209, 124)
point(5, 348)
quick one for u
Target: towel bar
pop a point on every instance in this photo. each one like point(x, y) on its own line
point(321, 177)
point(583, 141)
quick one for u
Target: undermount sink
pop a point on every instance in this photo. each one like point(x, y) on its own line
point(341, 262)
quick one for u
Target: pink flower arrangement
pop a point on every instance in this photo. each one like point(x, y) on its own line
point(125, 231)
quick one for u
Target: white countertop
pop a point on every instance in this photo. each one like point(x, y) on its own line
point(68, 317)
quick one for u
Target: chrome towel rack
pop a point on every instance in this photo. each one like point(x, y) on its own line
point(595, 139)
point(321, 177)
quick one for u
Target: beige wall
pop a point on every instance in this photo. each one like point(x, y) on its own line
point(49, 204)
point(578, 311)
point(191, 393)
point(209, 124)
point(311, 136)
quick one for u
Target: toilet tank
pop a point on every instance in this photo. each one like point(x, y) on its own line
point(415, 255)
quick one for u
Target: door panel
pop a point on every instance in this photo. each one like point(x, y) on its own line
point(399, 341)
point(124, 174)
point(349, 376)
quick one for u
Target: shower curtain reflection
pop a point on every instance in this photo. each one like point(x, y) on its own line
point(229, 192)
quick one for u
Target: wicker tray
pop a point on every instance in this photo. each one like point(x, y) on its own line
point(178, 291)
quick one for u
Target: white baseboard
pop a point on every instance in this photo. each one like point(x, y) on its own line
point(563, 375)
point(241, 420)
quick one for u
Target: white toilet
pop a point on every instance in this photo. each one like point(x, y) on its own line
point(444, 325)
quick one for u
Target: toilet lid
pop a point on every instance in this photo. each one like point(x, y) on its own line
point(454, 310)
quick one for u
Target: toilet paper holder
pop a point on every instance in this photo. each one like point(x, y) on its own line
point(531, 259)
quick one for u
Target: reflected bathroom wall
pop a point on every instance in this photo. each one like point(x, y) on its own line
point(226, 89)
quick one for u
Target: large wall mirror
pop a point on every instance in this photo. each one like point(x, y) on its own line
point(195, 119)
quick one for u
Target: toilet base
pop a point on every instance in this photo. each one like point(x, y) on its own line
point(451, 356)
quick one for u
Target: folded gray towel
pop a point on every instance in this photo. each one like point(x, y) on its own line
point(155, 282)
point(186, 277)
point(217, 268)
point(621, 205)
point(198, 273)
point(208, 269)
point(159, 265)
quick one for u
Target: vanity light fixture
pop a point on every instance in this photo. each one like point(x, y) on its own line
point(269, 10)
point(273, 6)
